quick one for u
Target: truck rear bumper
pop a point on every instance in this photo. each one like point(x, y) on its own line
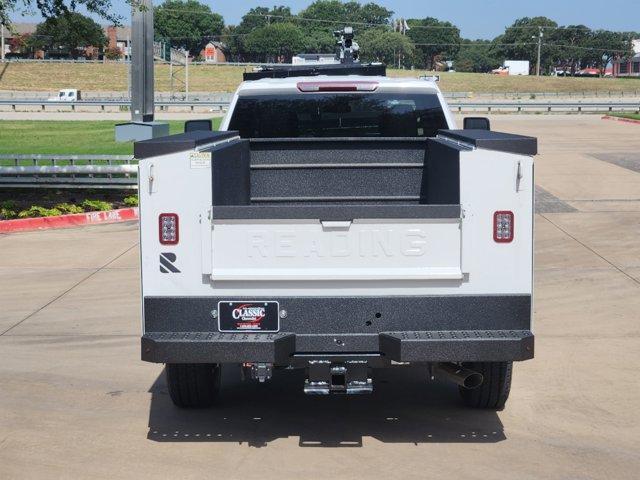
point(281, 348)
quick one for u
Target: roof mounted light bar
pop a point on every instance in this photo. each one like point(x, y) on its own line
point(285, 71)
point(308, 87)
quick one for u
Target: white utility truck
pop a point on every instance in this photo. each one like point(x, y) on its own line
point(67, 95)
point(339, 222)
point(516, 67)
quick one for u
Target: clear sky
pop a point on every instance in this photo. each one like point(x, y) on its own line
point(476, 18)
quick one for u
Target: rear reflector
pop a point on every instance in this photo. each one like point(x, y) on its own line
point(337, 86)
point(169, 230)
point(503, 226)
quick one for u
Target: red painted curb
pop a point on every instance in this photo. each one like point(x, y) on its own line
point(66, 221)
point(621, 119)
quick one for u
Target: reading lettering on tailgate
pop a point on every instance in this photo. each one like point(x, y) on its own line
point(374, 243)
point(367, 249)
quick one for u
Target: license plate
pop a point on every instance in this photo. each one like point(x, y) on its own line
point(248, 316)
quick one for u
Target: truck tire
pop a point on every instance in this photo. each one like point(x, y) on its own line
point(494, 391)
point(193, 385)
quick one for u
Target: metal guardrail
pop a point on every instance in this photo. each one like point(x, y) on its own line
point(466, 105)
point(68, 171)
point(94, 95)
point(103, 104)
point(548, 106)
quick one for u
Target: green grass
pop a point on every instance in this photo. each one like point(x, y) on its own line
point(633, 116)
point(71, 137)
point(112, 76)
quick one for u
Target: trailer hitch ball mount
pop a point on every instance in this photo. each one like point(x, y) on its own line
point(350, 377)
point(257, 371)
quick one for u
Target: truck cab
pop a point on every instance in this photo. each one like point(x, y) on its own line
point(338, 223)
point(67, 95)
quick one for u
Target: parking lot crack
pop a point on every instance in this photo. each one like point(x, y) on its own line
point(635, 280)
point(79, 282)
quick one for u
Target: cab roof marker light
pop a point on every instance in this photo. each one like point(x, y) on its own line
point(310, 87)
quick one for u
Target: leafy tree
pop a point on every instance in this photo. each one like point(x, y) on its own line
point(112, 53)
point(566, 46)
point(604, 46)
point(19, 43)
point(68, 32)
point(57, 8)
point(476, 56)
point(188, 24)
point(275, 42)
point(434, 39)
point(324, 16)
point(520, 41)
point(385, 46)
point(256, 17)
point(370, 14)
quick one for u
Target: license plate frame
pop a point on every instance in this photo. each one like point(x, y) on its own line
point(249, 316)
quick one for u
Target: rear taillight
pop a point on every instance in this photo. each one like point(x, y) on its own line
point(503, 226)
point(334, 86)
point(169, 229)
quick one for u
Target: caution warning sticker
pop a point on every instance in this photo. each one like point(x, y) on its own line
point(200, 159)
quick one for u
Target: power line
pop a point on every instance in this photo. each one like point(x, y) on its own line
point(368, 24)
point(519, 44)
point(412, 27)
point(441, 44)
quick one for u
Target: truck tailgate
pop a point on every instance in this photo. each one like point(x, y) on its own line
point(362, 249)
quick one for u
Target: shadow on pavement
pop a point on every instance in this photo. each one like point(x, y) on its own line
point(404, 408)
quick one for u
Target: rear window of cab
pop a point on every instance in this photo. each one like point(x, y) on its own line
point(338, 115)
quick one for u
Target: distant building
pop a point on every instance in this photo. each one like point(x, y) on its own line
point(19, 30)
point(118, 37)
point(213, 52)
point(628, 67)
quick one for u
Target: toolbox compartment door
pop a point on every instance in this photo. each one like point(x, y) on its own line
point(361, 249)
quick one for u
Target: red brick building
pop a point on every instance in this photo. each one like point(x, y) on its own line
point(213, 52)
point(628, 67)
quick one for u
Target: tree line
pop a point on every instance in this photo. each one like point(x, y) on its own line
point(276, 34)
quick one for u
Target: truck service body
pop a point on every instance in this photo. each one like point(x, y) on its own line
point(337, 223)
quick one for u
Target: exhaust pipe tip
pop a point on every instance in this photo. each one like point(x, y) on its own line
point(464, 377)
point(472, 380)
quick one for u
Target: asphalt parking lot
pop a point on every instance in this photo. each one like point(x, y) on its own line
point(76, 401)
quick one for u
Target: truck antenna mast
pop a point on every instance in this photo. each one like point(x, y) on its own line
point(348, 49)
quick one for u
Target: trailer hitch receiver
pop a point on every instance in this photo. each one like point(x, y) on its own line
point(349, 377)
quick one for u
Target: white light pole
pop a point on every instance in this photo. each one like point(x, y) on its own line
point(142, 101)
point(2, 42)
point(540, 35)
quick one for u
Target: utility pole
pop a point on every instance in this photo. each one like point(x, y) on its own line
point(127, 58)
point(186, 75)
point(142, 125)
point(540, 35)
point(2, 42)
point(142, 107)
point(172, 95)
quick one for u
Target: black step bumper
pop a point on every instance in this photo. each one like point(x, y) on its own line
point(280, 348)
point(458, 346)
point(215, 347)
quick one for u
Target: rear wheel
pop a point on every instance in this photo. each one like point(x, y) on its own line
point(494, 391)
point(193, 385)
